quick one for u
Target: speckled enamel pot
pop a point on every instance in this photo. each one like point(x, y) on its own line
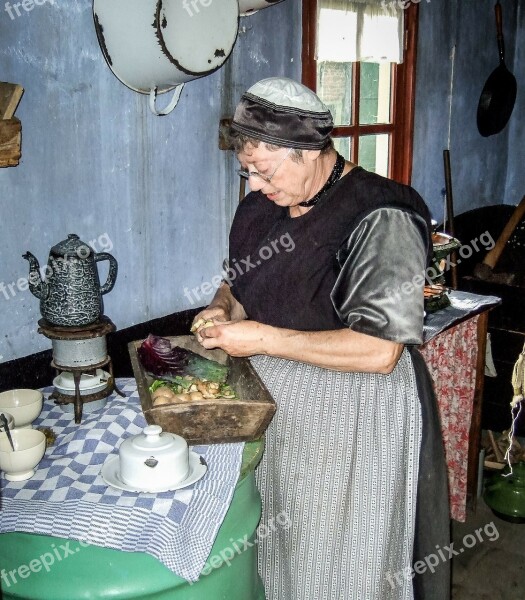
point(71, 294)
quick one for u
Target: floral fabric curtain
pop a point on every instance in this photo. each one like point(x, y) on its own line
point(360, 30)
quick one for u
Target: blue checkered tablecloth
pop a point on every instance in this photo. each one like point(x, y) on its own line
point(68, 498)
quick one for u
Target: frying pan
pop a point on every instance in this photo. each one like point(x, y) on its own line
point(499, 94)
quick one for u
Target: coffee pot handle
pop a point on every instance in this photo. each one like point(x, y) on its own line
point(172, 104)
point(112, 275)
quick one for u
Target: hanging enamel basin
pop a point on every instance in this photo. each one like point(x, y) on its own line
point(154, 46)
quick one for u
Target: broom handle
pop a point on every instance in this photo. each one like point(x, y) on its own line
point(493, 255)
point(450, 217)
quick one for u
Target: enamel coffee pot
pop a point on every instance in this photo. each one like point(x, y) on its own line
point(71, 294)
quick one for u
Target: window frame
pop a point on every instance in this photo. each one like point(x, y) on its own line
point(401, 129)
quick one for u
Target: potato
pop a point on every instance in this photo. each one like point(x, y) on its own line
point(161, 400)
point(162, 391)
point(203, 387)
point(201, 324)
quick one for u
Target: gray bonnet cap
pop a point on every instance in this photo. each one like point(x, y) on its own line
point(284, 112)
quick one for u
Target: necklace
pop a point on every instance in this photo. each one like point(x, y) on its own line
point(334, 176)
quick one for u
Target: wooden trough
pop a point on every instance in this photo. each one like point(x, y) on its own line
point(221, 420)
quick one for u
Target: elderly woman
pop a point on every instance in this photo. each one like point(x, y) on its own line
point(325, 294)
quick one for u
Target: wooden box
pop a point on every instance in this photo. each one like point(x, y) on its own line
point(10, 142)
point(241, 419)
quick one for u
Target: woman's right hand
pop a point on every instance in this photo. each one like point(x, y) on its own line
point(212, 313)
point(223, 308)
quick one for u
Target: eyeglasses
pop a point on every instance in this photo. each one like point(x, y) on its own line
point(266, 178)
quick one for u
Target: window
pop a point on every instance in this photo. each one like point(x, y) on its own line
point(372, 102)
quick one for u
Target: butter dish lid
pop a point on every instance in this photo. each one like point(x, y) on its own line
point(152, 439)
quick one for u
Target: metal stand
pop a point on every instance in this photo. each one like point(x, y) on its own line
point(83, 349)
point(80, 399)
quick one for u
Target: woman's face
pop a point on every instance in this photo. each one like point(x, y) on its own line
point(291, 182)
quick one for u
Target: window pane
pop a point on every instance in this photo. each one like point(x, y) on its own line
point(375, 90)
point(343, 146)
point(334, 87)
point(373, 153)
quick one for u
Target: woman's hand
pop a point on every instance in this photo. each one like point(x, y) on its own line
point(236, 338)
point(215, 314)
point(224, 307)
point(208, 318)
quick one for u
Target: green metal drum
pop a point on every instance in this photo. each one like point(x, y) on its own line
point(97, 573)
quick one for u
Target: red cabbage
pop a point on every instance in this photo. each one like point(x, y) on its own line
point(160, 359)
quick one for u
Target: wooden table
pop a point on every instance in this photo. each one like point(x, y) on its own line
point(125, 574)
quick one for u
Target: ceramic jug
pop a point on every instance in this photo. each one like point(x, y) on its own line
point(505, 493)
point(71, 294)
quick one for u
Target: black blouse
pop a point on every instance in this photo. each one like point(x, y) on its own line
point(356, 259)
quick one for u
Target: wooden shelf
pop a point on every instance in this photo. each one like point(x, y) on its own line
point(10, 94)
point(10, 126)
point(10, 142)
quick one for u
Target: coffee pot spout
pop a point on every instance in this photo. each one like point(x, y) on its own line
point(37, 287)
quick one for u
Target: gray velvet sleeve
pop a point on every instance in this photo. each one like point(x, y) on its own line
point(379, 290)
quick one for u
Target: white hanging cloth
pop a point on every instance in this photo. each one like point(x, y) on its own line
point(518, 385)
point(360, 30)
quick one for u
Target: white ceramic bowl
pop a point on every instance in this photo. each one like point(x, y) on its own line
point(30, 445)
point(10, 420)
point(153, 460)
point(25, 405)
